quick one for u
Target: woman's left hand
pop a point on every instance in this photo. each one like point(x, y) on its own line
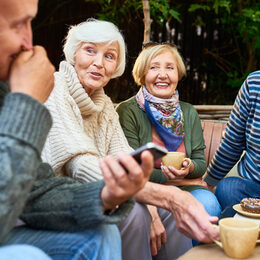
point(172, 173)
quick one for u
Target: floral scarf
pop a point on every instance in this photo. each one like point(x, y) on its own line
point(165, 115)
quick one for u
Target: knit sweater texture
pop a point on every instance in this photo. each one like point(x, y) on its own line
point(138, 131)
point(49, 202)
point(84, 130)
point(241, 134)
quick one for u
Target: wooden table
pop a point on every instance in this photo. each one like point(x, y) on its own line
point(213, 252)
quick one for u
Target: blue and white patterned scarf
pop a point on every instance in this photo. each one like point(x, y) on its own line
point(165, 115)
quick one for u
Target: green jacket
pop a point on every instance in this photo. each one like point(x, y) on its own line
point(27, 184)
point(138, 131)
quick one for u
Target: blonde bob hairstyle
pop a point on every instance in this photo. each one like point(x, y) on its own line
point(144, 58)
point(95, 31)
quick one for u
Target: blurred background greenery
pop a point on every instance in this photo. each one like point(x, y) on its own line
point(218, 39)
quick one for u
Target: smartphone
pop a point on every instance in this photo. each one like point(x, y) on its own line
point(156, 150)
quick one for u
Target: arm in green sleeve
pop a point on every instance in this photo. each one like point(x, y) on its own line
point(197, 147)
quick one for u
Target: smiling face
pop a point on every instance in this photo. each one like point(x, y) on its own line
point(15, 31)
point(95, 63)
point(162, 78)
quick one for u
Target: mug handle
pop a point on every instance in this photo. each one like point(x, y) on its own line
point(186, 160)
point(216, 241)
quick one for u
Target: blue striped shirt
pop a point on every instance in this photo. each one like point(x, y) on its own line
point(241, 134)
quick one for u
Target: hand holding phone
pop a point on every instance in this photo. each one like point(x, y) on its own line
point(156, 150)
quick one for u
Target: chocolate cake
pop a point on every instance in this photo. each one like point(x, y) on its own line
point(250, 205)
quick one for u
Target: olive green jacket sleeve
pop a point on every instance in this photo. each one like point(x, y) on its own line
point(193, 140)
point(138, 131)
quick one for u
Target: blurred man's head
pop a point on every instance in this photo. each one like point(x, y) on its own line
point(15, 31)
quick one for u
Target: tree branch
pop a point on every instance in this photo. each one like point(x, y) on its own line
point(147, 21)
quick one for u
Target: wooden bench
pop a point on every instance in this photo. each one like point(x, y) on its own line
point(212, 133)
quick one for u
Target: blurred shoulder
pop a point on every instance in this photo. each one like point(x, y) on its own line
point(127, 104)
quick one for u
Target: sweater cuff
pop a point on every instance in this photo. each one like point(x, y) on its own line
point(24, 118)
point(198, 171)
point(210, 180)
point(86, 195)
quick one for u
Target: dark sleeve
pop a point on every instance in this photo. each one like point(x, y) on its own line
point(24, 126)
point(131, 126)
point(61, 203)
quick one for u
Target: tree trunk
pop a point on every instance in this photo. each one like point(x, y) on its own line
point(147, 21)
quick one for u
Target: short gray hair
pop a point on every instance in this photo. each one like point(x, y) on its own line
point(95, 31)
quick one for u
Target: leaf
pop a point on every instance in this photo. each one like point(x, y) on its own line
point(194, 7)
point(222, 3)
point(175, 14)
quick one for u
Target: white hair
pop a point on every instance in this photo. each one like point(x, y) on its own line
point(95, 31)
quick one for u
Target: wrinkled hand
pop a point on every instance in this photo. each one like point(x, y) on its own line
point(157, 233)
point(119, 184)
point(32, 74)
point(172, 173)
point(192, 219)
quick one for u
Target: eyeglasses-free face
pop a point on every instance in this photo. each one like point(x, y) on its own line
point(162, 78)
point(95, 63)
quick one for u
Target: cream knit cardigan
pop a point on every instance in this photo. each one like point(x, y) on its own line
point(84, 128)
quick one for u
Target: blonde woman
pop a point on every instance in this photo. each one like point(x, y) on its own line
point(157, 115)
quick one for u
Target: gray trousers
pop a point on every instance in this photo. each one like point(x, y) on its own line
point(135, 234)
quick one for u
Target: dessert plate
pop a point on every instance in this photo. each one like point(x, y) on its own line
point(238, 209)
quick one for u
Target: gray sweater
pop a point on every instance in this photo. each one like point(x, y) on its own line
point(53, 203)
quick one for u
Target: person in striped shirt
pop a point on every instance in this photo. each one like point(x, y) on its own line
point(241, 143)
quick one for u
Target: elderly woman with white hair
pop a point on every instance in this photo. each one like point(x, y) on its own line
point(86, 126)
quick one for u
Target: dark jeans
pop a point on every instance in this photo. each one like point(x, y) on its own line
point(232, 190)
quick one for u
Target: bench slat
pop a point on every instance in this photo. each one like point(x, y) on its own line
point(212, 133)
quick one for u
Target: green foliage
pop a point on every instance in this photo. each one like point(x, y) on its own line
point(161, 10)
point(240, 20)
point(117, 11)
point(194, 7)
point(234, 79)
point(226, 4)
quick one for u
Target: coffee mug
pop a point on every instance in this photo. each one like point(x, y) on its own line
point(176, 159)
point(238, 237)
